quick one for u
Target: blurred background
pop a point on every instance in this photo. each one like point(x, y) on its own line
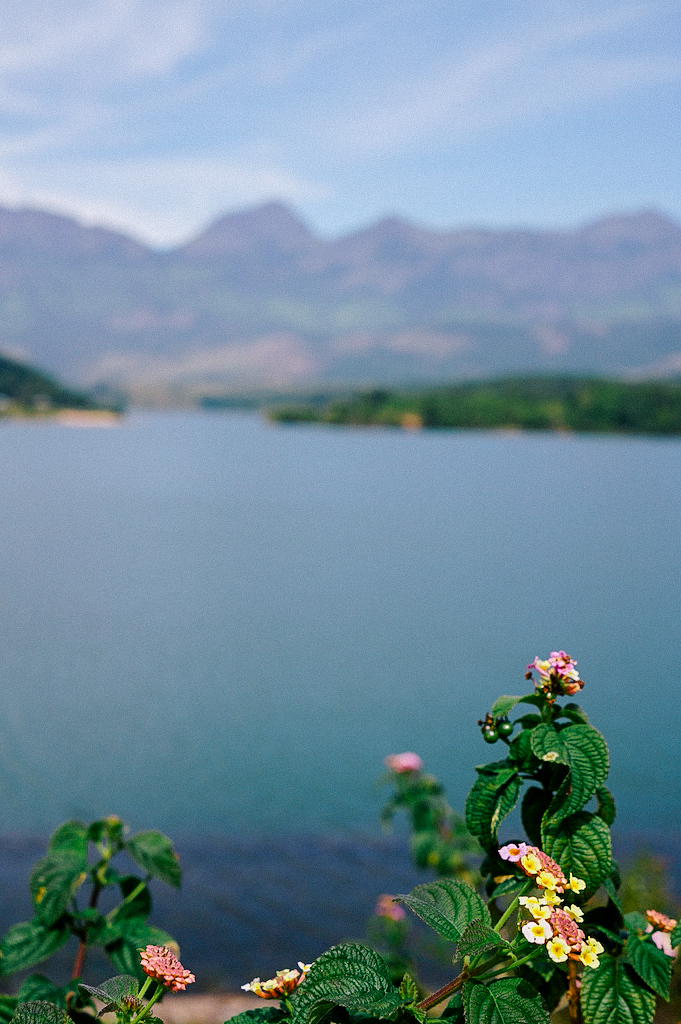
point(219, 627)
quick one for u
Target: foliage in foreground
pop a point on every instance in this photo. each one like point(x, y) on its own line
point(588, 404)
point(550, 923)
point(543, 920)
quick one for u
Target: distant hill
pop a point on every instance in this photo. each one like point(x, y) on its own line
point(23, 388)
point(258, 299)
point(583, 404)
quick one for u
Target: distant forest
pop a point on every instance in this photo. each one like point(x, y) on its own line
point(25, 390)
point(583, 404)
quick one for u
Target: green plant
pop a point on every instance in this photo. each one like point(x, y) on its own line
point(68, 870)
point(550, 923)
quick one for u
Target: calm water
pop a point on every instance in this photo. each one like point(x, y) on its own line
point(210, 625)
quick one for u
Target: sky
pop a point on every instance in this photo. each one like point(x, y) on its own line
point(158, 116)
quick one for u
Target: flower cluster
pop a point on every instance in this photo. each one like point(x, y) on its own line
point(538, 865)
point(665, 926)
point(280, 986)
point(386, 907)
point(160, 963)
point(558, 675)
point(550, 923)
point(407, 762)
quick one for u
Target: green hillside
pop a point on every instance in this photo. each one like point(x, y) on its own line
point(585, 404)
point(25, 390)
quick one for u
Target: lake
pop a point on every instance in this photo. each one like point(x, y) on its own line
point(220, 628)
point(210, 624)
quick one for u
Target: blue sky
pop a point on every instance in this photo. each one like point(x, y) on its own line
point(156, 116)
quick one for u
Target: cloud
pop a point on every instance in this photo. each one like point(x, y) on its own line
point(113, 37)
point(539, 67)
point(160, 200)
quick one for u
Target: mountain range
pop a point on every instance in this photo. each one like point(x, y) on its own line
point(259, 300)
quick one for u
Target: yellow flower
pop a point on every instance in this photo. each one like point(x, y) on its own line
point(588, 957)
point(545, 880)
point(552, 898)
point(531, 863)
point(575, 912)
point(596, 946)
point(537, 931)
point(538, 908)
point(576, 884)
point(558, 950)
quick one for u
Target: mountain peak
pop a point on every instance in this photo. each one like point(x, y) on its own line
point(272, 224)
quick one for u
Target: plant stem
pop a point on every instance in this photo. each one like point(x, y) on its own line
point(513, 906)
point(79, 962)
point(573, 994)
point(442, 993)
point(140, 1016)
point(128, 899)
point(145, 986)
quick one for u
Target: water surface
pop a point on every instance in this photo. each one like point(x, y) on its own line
point(210, 625)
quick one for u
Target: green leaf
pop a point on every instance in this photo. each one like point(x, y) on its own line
point(650, 963)
point(409, 990)
point(109, 830)
point(492, 798)
point(477, 938)
point(28, 943)
point(448, 906)
point(548, 980)
point(613, 994)
point(586, 754)
point(520, 751)
point(139, 907)
point(676, 936)
point(54, 881)
point(38, 987)
point(71, 837)
point(260, 1015)
point(606, 805)
point(510, 886)
point(8, 1007)
point(156, 855)
point(349, 975)
point(636, 921)
point(40, 1012)
point(503, 705)
point(509, 1001)
point(576, 714)
point(532, 810)
point(609, 887)
point(111, 992)
point(581, 844)
point(547, 744)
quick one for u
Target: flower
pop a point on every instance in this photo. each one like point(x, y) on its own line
point(663, 941)
point(512, 852)
point(386, 907)
point(575, 912)
point(539, 908)
point(661, 921)
point(537, 931)
point(558, 949)
point(589, 957)
point(576, 884)
point(407, 762)
point(160, 963)
point(558, 675)
point(282, 985)
point(549, 874)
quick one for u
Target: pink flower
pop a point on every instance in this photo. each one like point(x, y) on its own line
point(663, 941)
point(558, 674)
point(160, 963)
point(407, 762)
point(661, 921)
point(385, 907)
point(512, 852)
